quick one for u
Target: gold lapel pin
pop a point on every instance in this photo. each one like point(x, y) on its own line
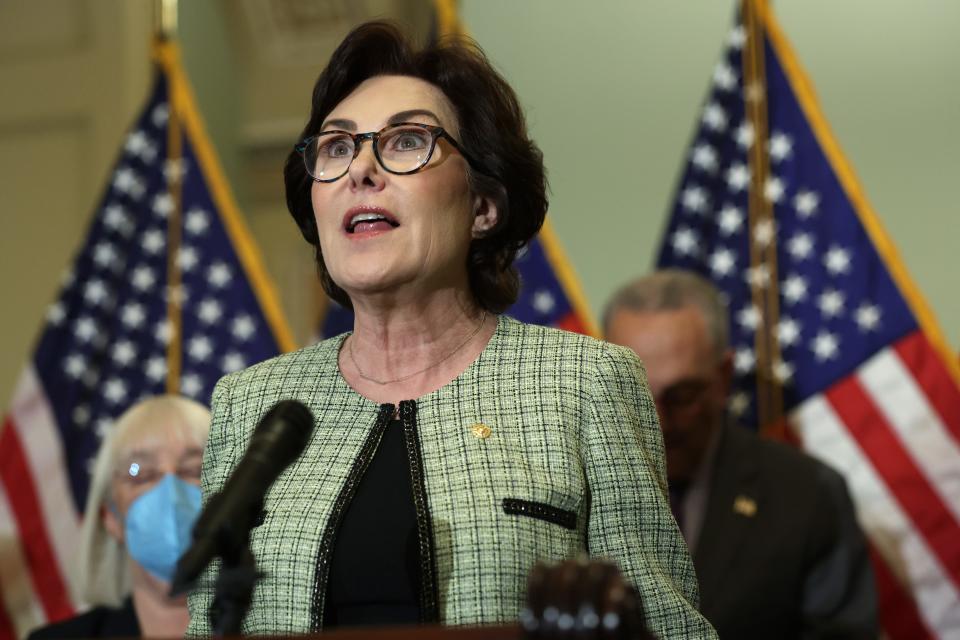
point(745, 506)
point(480, 430)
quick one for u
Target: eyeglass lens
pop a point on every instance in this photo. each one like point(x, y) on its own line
point(146, 467)
point(137, 474)
point(400, 149)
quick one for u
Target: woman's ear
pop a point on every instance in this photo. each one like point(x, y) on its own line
point(485, 216)
point(112, 522)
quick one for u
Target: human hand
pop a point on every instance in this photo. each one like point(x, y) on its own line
point(581, 599)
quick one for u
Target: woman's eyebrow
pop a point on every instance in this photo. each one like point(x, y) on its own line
point(405, 116)
point(340, 123)
point(136, 455)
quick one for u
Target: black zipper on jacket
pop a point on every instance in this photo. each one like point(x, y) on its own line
point(429, 600)
point(322, 573)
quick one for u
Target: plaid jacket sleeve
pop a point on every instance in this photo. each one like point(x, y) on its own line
point(629, 518)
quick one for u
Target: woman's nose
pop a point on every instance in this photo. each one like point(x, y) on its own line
point(365, 171)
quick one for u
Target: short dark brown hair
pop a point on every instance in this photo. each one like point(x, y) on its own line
point(506, 166)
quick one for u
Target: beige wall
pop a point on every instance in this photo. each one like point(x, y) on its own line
point(631, 73)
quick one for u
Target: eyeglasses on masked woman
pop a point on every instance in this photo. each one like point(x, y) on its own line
point(401, 148)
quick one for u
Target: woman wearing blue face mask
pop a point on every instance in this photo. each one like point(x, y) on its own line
point(144, 498)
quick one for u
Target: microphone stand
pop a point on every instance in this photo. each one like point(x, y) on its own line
point(233, 591)
point(238, 575)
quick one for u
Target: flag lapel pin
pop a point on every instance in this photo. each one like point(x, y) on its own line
point(480, 431)
point(745, 506)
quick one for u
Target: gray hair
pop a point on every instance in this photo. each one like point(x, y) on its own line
point(672, 290)
point(104, 573)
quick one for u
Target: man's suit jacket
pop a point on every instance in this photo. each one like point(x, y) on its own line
point(780, 554)
point(573, 461)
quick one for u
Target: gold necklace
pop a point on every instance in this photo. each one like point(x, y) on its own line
point(356, 366)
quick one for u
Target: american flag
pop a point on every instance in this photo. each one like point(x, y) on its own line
point(147, 307)
point(825, 323)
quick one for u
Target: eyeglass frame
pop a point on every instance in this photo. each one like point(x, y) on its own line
point(436, 132)
point(698, 392)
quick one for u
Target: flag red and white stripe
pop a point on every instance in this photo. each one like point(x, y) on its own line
point(38, 523)
point(900, 457)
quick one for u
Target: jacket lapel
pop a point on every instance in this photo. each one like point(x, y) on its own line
point(735, 496)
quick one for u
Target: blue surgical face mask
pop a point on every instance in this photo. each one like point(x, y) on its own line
point(159, 523)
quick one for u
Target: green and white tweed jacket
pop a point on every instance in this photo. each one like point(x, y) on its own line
point(572, 462)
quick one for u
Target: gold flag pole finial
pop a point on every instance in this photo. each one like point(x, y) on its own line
point(166, 19)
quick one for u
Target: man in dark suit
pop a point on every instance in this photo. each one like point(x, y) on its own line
point(775, 543)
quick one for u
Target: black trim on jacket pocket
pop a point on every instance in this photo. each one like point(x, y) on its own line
point(541, 511)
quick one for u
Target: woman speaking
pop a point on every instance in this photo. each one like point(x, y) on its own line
point(453, 447)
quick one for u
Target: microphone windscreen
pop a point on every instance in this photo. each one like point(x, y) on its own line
point(283, 432)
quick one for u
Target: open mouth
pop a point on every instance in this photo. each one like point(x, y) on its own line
point(369, 221)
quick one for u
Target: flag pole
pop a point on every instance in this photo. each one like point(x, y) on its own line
point(186, 116)
point(166, 32)
point(763, 246)
point(448, 18)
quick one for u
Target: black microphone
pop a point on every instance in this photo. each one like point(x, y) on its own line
point(224, 524)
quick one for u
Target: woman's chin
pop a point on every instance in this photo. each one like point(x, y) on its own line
point(372, 280)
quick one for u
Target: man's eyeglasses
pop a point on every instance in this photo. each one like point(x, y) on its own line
point(683, 395)
point(401, 148)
